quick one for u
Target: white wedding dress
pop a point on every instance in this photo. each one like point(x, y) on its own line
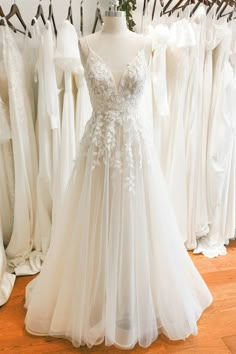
point(68, 63)
point(21, 258)
point(117, 268)
point(6, 187)
point(48, 127)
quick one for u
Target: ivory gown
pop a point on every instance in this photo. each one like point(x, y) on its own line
point(117, 268)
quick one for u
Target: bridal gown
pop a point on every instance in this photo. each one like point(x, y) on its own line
point(68, 63)
point(219, 146)
point(160, 36)
point(48, 127)
point(223, 221)
point(173, 160)
point(117, 268)
point(200, 219)
point(193, 128)
point(6, 188)
point(21, 259)
point(7, 183)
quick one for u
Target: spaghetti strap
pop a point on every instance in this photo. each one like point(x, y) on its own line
point(86, 39)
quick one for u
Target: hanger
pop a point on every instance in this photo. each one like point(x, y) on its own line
point(191, 2)
point(154, 8)
point(69, 15)
point(221, 4)
point(177, 6)
point(230, 17)
point(1, 12)
point(165, 9)
point(182, 6)
point(2, 22)
point(14, 11)
point(51, 17)
point(222, 14)
point(211, 6)
point(205, 2)
point(39, 14)
point(145, 8)
point(81, 18)
point(146, 4)
point(98, 17)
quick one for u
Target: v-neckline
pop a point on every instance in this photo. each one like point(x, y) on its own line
point(116, 86)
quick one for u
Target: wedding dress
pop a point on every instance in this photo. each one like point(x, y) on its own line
point(21, 260)
point(211, 42)
point(67, 60)
point(200, 219)
point(173, 160)
point(219, 147)
point(160, 36)
point(6, 188)
point(193, 128)
point(117, 268)
point(7, 183)
point(48, 127)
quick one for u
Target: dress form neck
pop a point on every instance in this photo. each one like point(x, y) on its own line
point(115, 25)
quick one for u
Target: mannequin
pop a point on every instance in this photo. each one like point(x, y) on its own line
point(115, 44)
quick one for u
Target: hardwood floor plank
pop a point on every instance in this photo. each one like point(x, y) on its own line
point(217, 326)
point(230, 342)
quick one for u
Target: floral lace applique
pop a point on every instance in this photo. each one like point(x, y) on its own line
point(115, 133)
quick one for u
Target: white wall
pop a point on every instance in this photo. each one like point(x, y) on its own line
point(28, 9)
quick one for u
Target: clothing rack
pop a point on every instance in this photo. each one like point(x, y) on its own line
point(170, 7)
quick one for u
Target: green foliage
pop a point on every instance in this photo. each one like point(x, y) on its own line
point(129, 6)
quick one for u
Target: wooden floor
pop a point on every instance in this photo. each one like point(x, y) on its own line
point(217, 327)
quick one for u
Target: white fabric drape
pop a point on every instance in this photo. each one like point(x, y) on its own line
point(21, 242)
point(202, 113)
point(48, 128)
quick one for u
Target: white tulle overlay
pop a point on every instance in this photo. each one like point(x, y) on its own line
point(117, 269)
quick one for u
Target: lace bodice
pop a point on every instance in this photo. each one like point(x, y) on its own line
point(116, 134)
point(105, 94)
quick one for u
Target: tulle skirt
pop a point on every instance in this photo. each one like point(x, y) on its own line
point(117, 269)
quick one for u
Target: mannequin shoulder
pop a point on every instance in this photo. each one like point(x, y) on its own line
point(144, 42)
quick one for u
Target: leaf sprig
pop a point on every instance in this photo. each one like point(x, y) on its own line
point(129, 6)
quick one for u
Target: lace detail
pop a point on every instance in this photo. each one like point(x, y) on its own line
point(115, 133)
point(105, 95)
